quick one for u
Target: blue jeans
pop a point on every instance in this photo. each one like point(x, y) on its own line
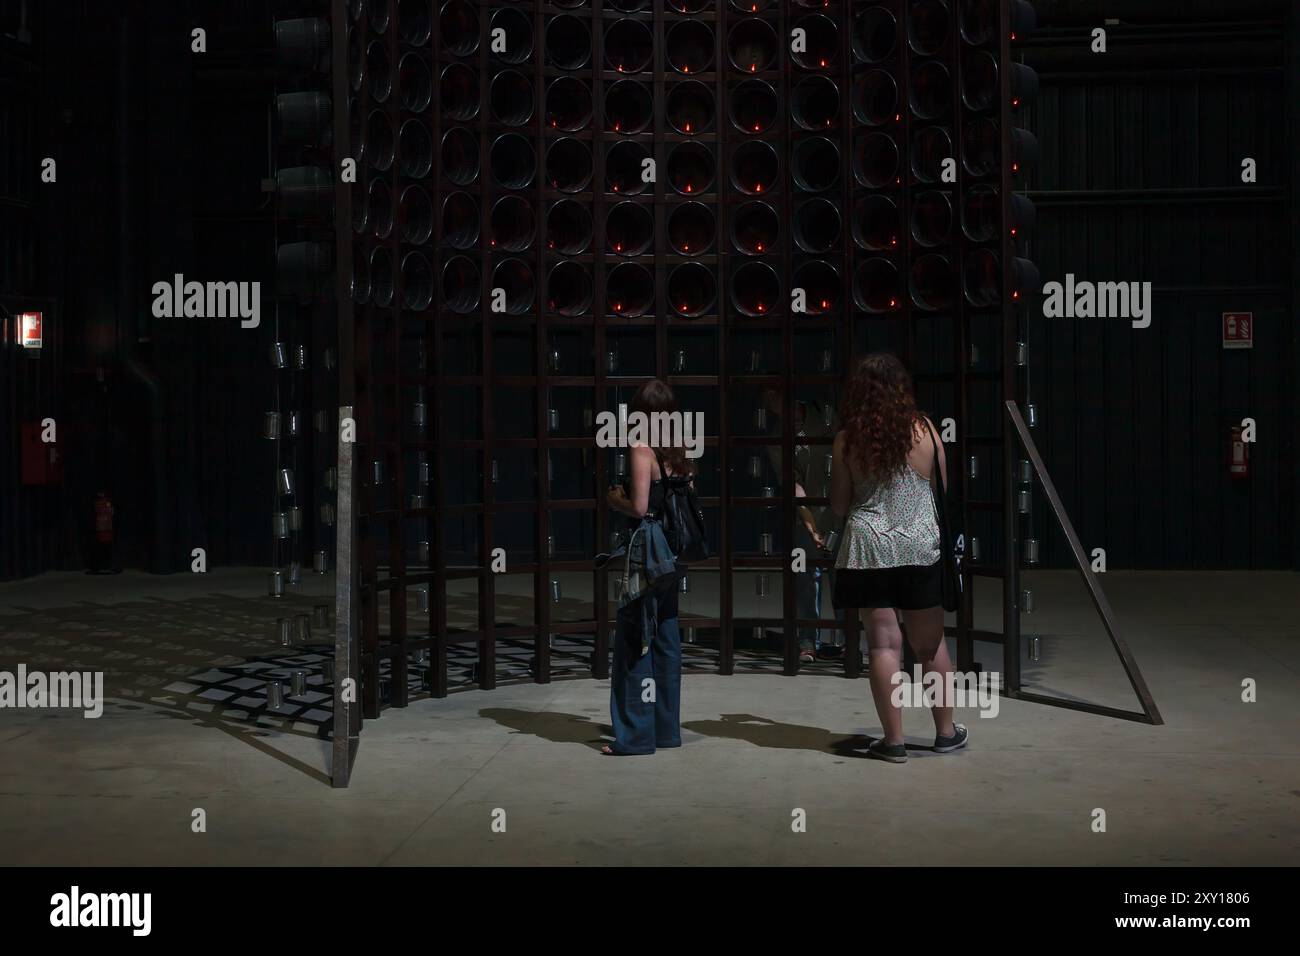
point(809, 587)
point(641, 725)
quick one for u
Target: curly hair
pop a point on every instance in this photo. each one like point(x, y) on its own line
point(880, 416)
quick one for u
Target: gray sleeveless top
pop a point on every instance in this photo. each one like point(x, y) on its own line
point(891, 523)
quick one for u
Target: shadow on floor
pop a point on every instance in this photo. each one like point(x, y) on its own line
point(549, 725)
point(560, 728)
point(762, 732)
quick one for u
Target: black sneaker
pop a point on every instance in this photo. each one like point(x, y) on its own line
point(946, 745)
point(894, 753)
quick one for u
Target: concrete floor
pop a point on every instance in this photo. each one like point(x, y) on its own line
point(1219, 783)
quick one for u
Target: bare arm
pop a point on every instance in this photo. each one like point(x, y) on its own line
point(841, 479)
point(943, 457)
point(638, 503)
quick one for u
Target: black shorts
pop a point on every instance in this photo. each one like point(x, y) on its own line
point(912, 587)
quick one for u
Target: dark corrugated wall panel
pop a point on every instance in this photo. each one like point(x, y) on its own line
point(1135, 422)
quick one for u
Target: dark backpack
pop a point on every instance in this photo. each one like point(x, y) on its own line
point(681, 518)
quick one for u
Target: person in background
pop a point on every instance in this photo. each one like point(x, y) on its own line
point(813, 524)
point(881, 474)
point(647, 640)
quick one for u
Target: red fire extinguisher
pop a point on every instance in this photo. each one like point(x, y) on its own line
point(103, 546)
point(1239, 463)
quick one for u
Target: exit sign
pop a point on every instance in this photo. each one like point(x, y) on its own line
point(30, 331)
point(1238, 330)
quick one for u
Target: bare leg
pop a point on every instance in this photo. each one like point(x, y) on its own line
point(885, 645)
point(925, 634)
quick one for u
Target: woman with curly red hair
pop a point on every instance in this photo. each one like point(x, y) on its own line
point(881, 474)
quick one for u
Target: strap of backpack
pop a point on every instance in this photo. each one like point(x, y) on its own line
point(939, 492)
point(663, 472)
point(936, 474)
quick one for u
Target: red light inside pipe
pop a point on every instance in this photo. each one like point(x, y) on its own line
point(753, 68)
point(893, 302)
point(758, 187)
point(762, 307)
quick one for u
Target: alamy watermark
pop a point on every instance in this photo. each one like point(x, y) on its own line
point(955, 689)
point(1098, 300)
point(208, 300)
point(76, 909)
point(80, 690)
point(656, 429)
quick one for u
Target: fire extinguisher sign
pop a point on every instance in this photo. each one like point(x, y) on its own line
point(1238, 330)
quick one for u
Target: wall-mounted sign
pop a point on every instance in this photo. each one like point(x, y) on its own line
point(30, 329)
point(1238, 330)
